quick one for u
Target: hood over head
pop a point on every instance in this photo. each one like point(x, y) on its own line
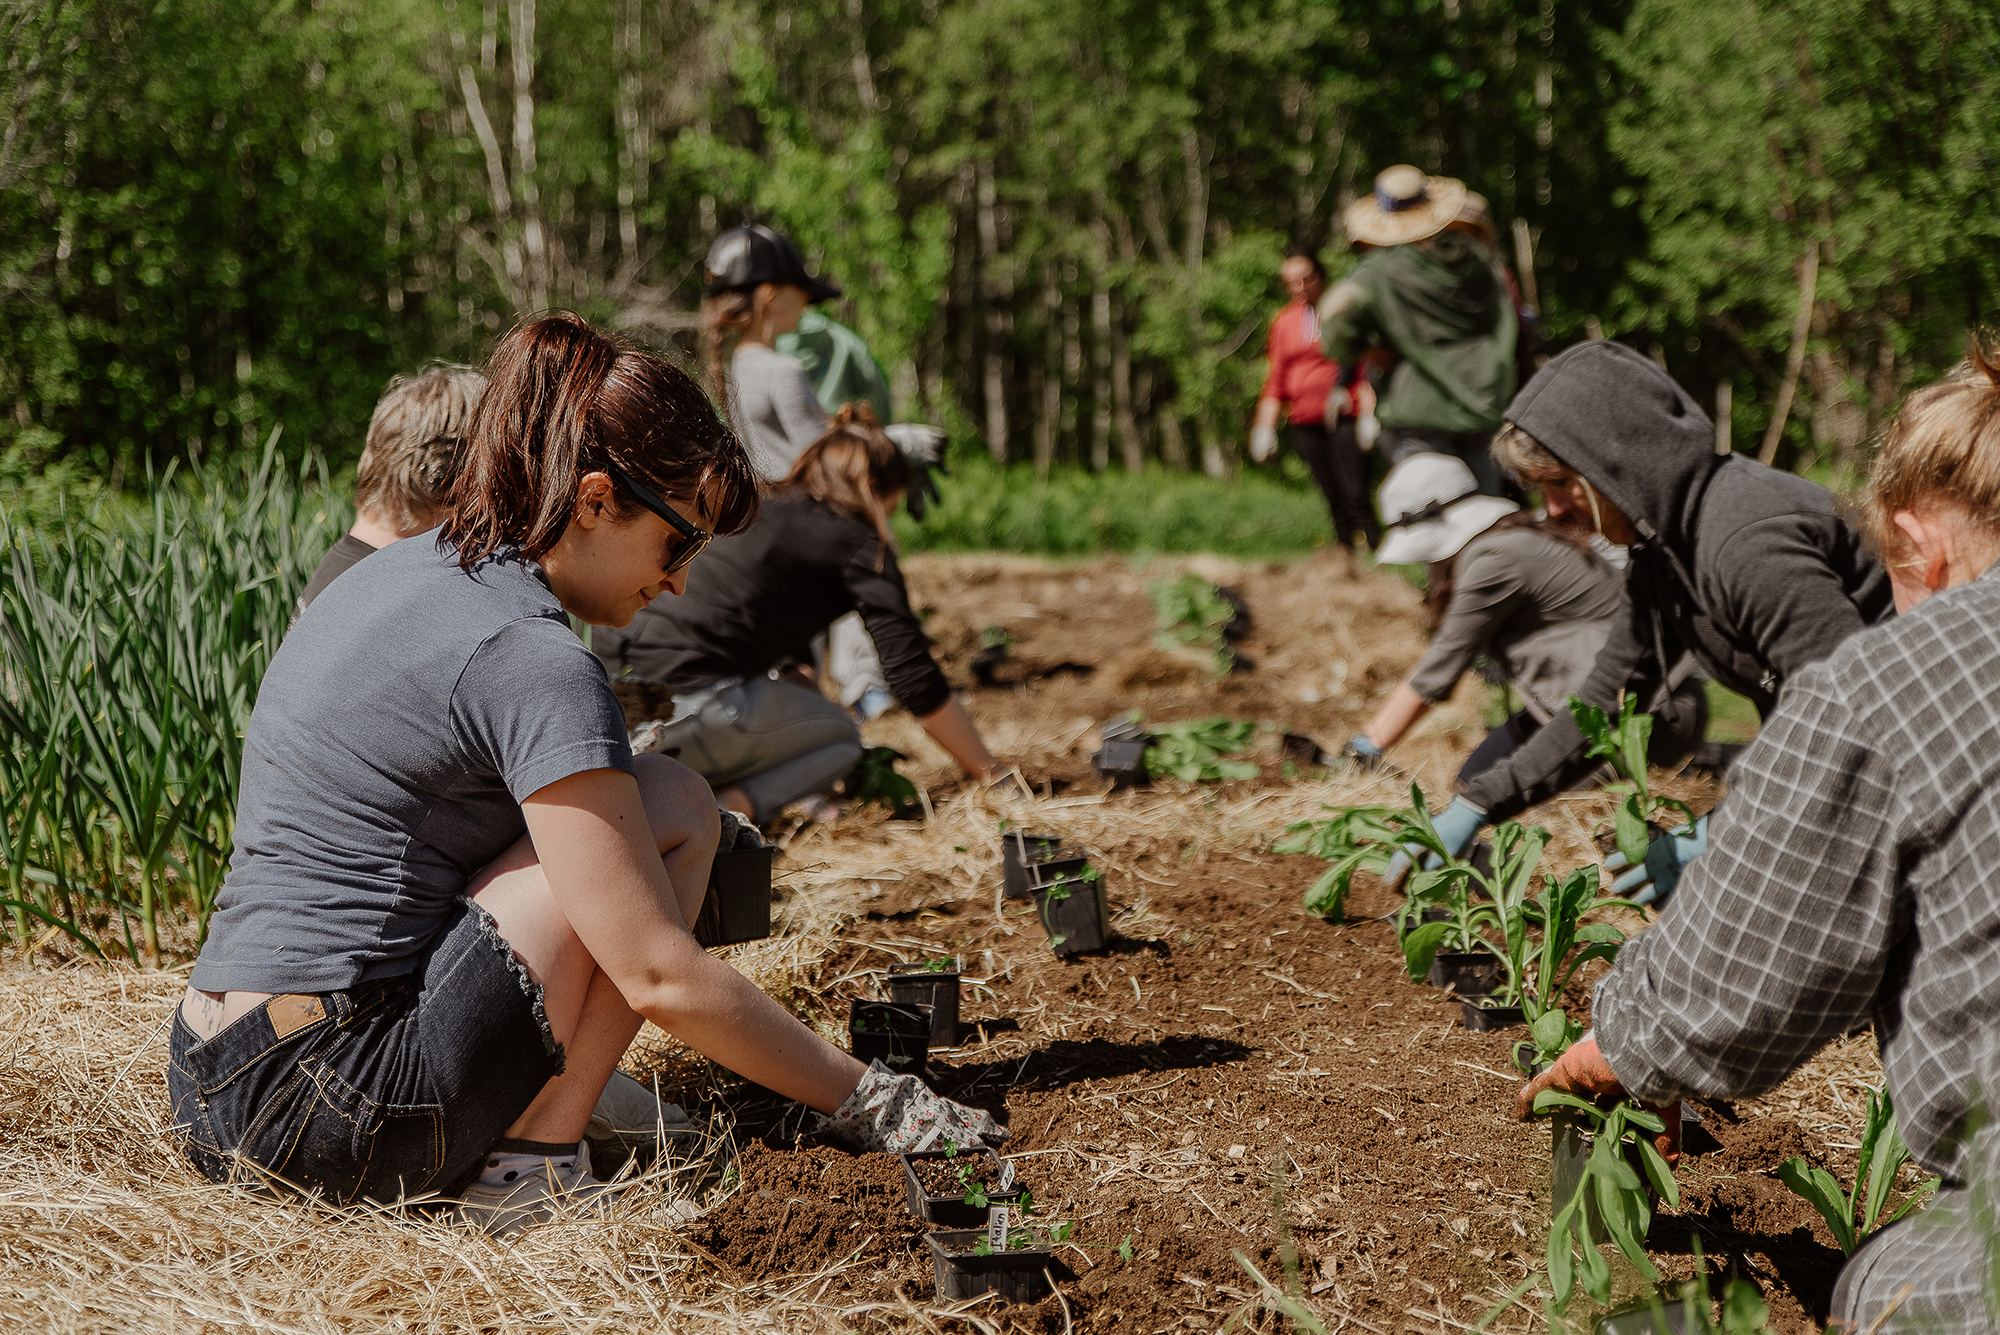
point(1610, 414)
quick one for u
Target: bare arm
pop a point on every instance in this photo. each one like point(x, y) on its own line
point(953, 729)
point(1398, 714)
point(597, 850)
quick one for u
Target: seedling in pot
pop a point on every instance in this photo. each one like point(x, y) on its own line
point(933, 983)
point(1883, 1155)
point(1121, 753)
point(1612, 1190)
point(899, 1035)
point(955, 1186)
point(1561, 906)
point(1194, 615)
point(994, 642)
point(1073, 911)
point(1001, 1258)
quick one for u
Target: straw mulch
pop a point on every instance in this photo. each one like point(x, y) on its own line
point(104, 1228)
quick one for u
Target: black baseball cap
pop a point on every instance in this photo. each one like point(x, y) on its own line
point(743, 257)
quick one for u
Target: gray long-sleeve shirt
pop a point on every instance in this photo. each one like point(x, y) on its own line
point(1540, 606)
point(775, 407)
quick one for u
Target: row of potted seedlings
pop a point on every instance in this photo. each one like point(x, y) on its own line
point(1068, 893)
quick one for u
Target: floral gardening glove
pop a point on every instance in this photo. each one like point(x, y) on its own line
point(898, 1114)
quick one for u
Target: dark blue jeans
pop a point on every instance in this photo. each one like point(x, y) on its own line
point(382, 1092)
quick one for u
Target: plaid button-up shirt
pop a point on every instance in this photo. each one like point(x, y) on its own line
point(1852, 874)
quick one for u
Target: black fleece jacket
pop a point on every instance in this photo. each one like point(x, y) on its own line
point(1750, 569)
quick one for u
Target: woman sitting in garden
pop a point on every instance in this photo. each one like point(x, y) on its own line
point(1530, 593)
point(1749, 569)
point(821, 549)
point(456, 893)
point(1849, 879)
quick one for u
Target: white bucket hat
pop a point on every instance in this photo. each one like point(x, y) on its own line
point(1431, 507)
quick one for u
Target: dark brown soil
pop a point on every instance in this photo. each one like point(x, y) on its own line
point(1248, 1081)
point(940, 1177)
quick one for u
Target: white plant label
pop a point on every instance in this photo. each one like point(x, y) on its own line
point(996, 1228)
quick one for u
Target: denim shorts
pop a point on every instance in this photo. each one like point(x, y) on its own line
point(386, 1091)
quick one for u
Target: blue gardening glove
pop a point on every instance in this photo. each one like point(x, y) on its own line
point(1364, 753)
point(1666, 858)
point(1455, 826)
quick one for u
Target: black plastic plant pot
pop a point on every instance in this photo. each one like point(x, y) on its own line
point(1017, 849)
point(1485, 1019)
point(1469, 973)
point(1017, 1274)
point(1570, 1146)
point(1124, 762)
point(1074, 913)
point(1644, 1318)
point(1434, 915)
point(738, 907)
point(987, 662)
point(954, 1211)
point(915, 985)
point(898, 1034)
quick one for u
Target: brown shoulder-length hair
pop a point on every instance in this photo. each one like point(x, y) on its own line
point(856, 469)
point(1442, 576)
point(562, 400)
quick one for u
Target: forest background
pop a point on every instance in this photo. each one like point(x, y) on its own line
point(1058, 225)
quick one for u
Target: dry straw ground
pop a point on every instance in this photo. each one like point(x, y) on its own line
point(1234, 1077)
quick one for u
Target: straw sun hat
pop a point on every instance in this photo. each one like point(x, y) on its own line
point(1406, 206)
point(1431, 507)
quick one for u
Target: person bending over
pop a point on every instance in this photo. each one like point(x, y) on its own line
point(1749, 569)
point(1849, 880)
point(1532, 595)
point(406, 468)
point(821, 548)
point(456, 893)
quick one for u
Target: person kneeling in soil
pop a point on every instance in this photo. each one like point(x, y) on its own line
point(1749, 569)
point(414, 436)
point(1850, 879)
point(821, 548)
point(456, 893)
point(1530, 593)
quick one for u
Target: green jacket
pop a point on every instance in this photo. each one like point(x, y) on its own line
point(1443, 306)
point(841, 367)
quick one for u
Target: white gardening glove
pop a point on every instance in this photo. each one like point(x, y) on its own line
point(898, 1114)
point(918, 441)
point(1263, 442)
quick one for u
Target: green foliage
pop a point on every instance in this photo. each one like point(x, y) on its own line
point(1071, 512)
point(1560, 908)
point(1191, 614)
point(1615, 1187)
point(939, 964)
point(1193, 751)
point(133, 642)
point(1622, 741)
point(874, 779)
point(1352, 839)
point(1854, 1216)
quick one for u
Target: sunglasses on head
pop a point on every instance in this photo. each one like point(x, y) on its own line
point(692, 539)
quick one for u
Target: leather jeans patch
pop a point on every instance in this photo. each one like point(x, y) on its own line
point(291, 1013)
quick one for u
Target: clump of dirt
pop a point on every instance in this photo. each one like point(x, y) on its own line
point(800, 1211)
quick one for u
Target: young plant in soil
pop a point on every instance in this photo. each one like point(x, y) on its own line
point(874, 779)
point(1192, 614)
point(1883, 1155)
point(1560, 908)
point(1610, 1192)
point(1622, 741)
point(1058, 922)
point(1352, 839)
point(1193, 751)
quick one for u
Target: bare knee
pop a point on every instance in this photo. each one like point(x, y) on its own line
point(679, 803)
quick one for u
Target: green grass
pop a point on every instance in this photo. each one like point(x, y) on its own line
point(1731, 718)
point(1259, 514)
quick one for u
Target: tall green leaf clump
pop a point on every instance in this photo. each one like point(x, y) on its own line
point(1623, 741)
point(1194, 751)
point(1192, 614)
point(1855, 1216)
point(133, 642)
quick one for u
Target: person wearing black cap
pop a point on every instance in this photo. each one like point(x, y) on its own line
point(758, 287)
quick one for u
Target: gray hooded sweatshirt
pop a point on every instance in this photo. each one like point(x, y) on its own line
point(1749, 568)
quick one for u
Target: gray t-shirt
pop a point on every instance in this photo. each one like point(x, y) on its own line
point(408, 713)
point(775, 407)
point(1540, 606)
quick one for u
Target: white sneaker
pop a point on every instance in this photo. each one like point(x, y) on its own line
point(535, 1197)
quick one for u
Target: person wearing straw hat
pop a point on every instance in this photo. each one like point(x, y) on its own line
point(1504, 583)
point(1433, 297)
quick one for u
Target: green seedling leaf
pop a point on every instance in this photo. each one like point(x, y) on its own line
point(1550, 1099)
point(1125, 1248)
point(1420, 947)
point(1822, 1191)
point(1659, 1172)
point(1061, 1232)
point(1632, 833)
point(1744, 1311)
